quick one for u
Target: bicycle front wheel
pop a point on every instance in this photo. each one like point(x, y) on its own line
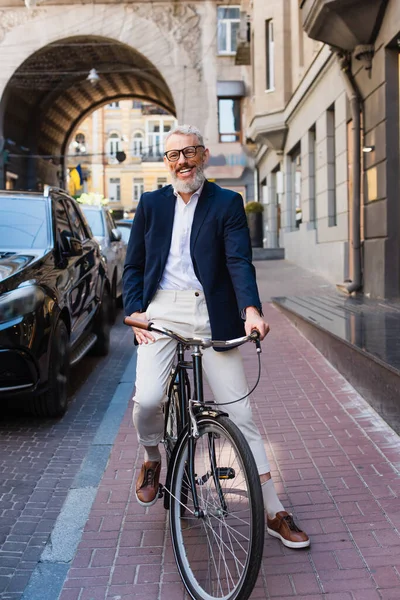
point(218, 553)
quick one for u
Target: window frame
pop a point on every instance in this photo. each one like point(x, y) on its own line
point(117, 183)
point(138, 136)
point(269, 56)
point(237, 134)
point(230, 41)
point(113, 137)
point(137, 185)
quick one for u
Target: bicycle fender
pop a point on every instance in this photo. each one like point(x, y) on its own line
point(208, 411)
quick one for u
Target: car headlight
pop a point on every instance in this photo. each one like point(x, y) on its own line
point(20, 302)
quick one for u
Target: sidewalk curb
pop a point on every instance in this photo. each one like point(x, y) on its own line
point(48, 578)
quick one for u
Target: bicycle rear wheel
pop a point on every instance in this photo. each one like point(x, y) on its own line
point(219, 554)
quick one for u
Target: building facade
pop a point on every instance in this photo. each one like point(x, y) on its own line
point(60, 63)
point(119, 148)
point(325, 119)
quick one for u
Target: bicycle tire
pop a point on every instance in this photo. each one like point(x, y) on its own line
point(206, 577)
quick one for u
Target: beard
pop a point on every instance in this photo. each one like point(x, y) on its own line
point(187, 187)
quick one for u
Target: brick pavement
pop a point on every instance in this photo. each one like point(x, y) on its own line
point(335, 464)
point(40, 458)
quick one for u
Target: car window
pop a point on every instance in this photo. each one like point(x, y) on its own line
point(95, 220)
point(125, 232)
point(23, 223)
point(110, 220)
point(76, 223)
point(63, 227)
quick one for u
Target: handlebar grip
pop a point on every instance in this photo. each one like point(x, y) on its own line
point(255, 335)
point(136, 323)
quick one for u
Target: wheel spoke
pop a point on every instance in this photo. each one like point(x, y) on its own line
point(218, 553)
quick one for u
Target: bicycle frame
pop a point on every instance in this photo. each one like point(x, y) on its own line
point(188, 408)
point(195, 435)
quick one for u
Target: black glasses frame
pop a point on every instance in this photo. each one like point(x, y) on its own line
point(184, 151)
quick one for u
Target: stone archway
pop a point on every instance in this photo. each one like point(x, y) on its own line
point(50, 93)
point(138, 51)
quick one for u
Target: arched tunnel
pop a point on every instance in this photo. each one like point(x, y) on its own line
point(50, 93)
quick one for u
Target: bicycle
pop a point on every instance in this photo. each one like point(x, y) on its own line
point(212, 489)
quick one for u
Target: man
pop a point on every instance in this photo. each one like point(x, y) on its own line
point(188, 267)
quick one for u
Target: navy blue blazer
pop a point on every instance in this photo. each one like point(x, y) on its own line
point(219, 246)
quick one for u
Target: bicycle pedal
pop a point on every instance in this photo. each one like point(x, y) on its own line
point(160, 490)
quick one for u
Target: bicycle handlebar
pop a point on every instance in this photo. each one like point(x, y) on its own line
point(204, 343)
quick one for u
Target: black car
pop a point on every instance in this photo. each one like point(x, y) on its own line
point(54, 296)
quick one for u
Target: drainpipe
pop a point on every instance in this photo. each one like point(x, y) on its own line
point(355, 105)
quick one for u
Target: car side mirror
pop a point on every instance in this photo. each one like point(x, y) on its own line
point(115, 235)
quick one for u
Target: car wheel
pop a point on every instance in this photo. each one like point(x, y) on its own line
point(53, 402)
point(102, 326)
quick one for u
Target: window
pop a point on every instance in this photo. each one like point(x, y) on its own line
point(138, 189)
point(110, 221)
point(161, 181)
point(154, 139)
point(137, 147)
point(296, 185)
point(137, 104)
point(269, 55)
point(79, 144)
point(95, 220)
point(113, 105)
point(113, 144)
point(156, 129)
point(331, 160)
point(228, 26)
point(63, 228)
point(312, 175)
point(114, 189)
point(78, 230)
point(229, 119)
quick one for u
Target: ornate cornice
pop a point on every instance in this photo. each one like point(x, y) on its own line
point(180, 20)
point(9, 19)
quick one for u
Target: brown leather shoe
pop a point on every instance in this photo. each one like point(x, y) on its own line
point(148, 482)
point(284, 528)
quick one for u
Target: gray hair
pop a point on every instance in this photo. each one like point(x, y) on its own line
point(185, 130)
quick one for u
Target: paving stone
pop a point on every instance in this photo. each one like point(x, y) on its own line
point(335, 464)
point(40, 459)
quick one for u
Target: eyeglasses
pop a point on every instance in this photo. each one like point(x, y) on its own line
point(188, 152)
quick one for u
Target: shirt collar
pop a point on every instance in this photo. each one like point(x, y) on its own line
point(195, 196)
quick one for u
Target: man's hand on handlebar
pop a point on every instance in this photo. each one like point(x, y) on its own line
point(255, 321)
point(142, 336)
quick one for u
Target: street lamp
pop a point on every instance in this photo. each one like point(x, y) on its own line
point(93, 76)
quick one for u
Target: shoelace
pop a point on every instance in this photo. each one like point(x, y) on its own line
point(148, 479)
point(291, 524)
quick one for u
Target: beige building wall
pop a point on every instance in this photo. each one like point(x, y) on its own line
point(180, 40)
point(125, 119)
point(301, 132)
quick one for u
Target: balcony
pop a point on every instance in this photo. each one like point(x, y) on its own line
point(342, 23)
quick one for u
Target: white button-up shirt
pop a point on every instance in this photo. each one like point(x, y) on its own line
point(179, 273)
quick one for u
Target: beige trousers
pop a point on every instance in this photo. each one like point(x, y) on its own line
point(185, 312)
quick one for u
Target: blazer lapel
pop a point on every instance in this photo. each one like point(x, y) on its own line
point(200, 213)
